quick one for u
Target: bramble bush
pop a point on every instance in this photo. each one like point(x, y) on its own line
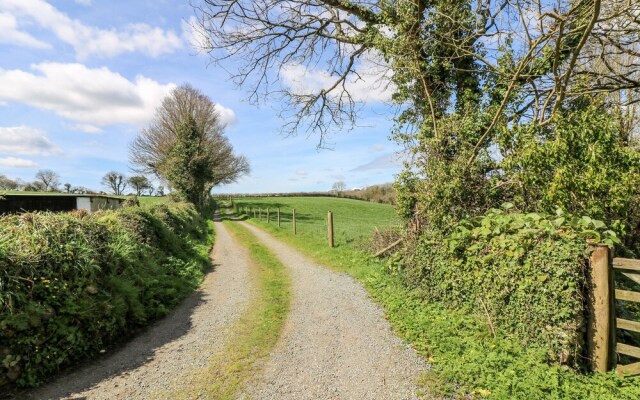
point(73, 284)
point(525, 274)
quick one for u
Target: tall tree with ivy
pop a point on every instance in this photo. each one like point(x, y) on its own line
point(185, 146)
point(187, 167)
point(466, 77)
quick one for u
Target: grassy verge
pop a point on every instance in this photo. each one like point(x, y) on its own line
point(255, 333)
point(468, 361)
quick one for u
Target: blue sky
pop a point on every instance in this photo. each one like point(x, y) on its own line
point(80, 78)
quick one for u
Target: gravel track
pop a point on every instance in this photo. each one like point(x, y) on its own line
point(336, 343)
point(161, 358)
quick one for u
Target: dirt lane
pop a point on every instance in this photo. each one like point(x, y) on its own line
point(336, 343)
point(163, 356)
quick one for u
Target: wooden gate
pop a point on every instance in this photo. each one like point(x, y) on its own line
point(625, 268)
point(603, 321)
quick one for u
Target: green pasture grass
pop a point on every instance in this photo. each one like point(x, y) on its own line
point(353, 220)
point(354, 223)
point(151, 200)
point(467, 360)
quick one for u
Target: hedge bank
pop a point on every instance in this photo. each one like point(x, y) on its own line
point(524, 274)
point(73, 284)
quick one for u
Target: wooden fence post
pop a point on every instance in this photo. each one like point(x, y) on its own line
point(294, 221)
point(599, 330)
point(278, 217)
point(330, 227)
point(260, 213)
point(268, 215)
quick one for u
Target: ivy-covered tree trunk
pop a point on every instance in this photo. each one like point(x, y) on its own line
point(188, 165)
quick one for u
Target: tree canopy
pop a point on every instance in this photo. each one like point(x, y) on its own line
point(115, 181)
point(185, 146)
point(139, 183)
point(49, 179)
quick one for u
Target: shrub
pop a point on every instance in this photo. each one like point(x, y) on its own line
point(525, 274)
point(583, 166)
point(73, 284)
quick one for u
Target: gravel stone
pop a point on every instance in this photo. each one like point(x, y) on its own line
point(336, 343)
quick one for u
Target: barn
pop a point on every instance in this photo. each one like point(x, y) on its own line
point(57, 202)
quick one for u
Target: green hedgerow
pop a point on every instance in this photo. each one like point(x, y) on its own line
point(524, 273)
point(72, 284)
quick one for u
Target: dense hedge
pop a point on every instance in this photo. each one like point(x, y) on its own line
point(524, 274)
point(71, 284)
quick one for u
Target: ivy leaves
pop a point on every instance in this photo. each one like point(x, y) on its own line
point(530, 228)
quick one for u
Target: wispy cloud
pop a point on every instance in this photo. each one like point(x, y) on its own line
point(13, 36)
point(13, 162)
point(371, 84)
point(89, 95)
point(227, 115)
point(27, 141)
point(391, 160)
point(86, 128)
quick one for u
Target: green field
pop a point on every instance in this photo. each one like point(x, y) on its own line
point(354, 220)
point(151, 200)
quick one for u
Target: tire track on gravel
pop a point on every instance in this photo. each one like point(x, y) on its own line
point(336, 343)
point(161, 358)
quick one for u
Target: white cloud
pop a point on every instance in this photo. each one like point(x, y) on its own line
point(13, 162)
point(83, 2)
point(86, 128)
point(87, 95)
point(27, 141)
point(227, 115)
point(301, 172)
point(92, 41)
point(11, 34)
point(372, 85)
point(377, 148)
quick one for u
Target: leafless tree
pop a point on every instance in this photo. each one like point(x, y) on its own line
point(35, 186)
point(339, 187)
point(49, 179)
point(115, 181)
point(521, 60)
point(7, 183)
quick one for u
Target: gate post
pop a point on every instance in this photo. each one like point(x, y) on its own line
point(600, 326)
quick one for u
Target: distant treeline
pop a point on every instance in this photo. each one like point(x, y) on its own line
point(384, 193)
